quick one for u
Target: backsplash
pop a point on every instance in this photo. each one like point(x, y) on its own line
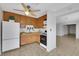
point(41, 30)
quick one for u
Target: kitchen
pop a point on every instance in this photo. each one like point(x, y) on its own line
point(18, 30)
point(31, 29)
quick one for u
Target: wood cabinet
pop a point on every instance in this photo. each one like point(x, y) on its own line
point(40, 21)
point(25, 20)
point(6, 16)
point(30, 38)
point(28, 20)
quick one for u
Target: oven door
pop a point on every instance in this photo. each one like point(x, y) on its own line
point(43, 39)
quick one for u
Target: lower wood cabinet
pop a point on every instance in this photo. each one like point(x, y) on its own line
point(30, 38)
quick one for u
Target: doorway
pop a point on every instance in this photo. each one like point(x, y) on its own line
point(71, 30)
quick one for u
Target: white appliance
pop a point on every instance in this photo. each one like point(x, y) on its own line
point(0, 36)
point(10, 35)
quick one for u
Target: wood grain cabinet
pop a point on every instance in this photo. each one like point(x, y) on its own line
point(40, 21)
point(25, 20)
point(6, 16)
point(30, 38)
point(28, 21)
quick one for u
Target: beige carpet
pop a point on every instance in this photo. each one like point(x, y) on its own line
point(66, 46)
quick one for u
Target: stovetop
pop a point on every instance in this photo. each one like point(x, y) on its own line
point(45, 34)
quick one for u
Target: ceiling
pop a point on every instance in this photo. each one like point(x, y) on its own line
point(69, 18)
point(43, 7)
point(69, 15)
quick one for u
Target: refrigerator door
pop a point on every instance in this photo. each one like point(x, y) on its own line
point(0, 36)
point(10, 30)
point(10, 44)
point(10, 36)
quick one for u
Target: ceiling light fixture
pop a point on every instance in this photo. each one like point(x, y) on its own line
point(27, 12)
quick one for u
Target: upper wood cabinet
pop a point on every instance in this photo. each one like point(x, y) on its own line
point(43, 17)
point(40, 21)
point(6, 16)
point(28, 20)
point(25, 20)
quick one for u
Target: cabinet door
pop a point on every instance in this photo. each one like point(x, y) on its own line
point(40, 24)
point(23, 20)
point(23, 39)
point(40, 21)
point(6, 16)
point(17, 18)
point(26, 39)
point(33, 21)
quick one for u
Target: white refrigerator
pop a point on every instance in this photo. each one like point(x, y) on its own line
point(0, 36)
point(10, 35)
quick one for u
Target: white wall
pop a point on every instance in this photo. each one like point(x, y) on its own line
point(51, 31)
point(61, 30)
point(72, 18)
point(77, 31)
point(69, 23)
point(69, 18)
point(0, 28)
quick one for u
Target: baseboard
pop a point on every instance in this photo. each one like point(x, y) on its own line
point(0, 53)
point(49, 50)
point(61, 35)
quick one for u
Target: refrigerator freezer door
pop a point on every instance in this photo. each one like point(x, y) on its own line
point(10, 44)
point(0, 36)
